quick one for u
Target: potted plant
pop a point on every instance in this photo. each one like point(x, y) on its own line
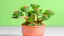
point(34, 16)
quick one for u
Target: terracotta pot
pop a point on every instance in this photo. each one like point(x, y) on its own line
point(33, 30)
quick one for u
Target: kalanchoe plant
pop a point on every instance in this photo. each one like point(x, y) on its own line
point(33, 17)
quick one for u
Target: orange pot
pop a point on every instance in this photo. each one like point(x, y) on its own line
point(33, 30)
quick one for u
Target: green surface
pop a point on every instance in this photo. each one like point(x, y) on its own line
point(7, 7)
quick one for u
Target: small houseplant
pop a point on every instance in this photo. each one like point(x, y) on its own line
point(34, 16)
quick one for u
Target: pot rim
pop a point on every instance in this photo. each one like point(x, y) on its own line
point(33, 26)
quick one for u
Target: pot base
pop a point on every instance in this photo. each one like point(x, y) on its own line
point(32, 35)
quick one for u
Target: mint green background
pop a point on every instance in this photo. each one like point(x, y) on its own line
point(7, 7)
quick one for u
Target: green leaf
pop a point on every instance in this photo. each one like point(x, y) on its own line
point(34, 6)
point(15, 17)
point(30, 19)
point(21, 14)
point(30, 24)
point(24, 9)
point(39, 11)
point(49, 13)
point(16, 14)
point(45, 17)
point(29, 13)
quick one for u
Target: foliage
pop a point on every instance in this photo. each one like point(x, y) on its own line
point(34, 16)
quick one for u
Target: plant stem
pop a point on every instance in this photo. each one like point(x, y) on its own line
point(26, 16)
point(36, 17)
